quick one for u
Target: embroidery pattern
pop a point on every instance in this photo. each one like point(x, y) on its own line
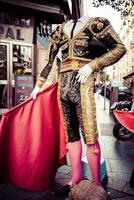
point(89, 111)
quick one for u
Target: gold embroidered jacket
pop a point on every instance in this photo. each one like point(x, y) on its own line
point(96, 43)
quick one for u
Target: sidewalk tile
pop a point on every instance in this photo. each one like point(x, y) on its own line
point(114, 194)
point(114, 149)
point(116, 184)
point(62, 181)
point(119, 176)
point(121, 166)
point(128, 189)
point(125, 198)
point(108, 165)
point(65, 169)
point(60, 175)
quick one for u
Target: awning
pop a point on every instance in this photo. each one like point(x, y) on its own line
point(53, 10)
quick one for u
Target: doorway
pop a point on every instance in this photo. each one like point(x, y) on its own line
point(15, 59)
point(4, 77)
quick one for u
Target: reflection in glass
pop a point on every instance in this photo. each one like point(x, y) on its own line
point(3, 62)
point(3, 96)
point(22, 57)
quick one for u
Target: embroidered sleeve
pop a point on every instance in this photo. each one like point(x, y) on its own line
point(54, 41)
point(104, 32)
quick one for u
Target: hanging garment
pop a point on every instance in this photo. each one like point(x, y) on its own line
point(32, 144)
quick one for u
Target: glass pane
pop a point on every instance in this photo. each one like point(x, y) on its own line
point(3, 96)
point(3, 62)
point(22, 59)
point(23, 87)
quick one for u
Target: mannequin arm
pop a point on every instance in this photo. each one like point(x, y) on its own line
point(54, 44)
point(39, 83)
point(53, 50)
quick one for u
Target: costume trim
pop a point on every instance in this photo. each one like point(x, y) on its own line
point(97, 32)
point(78, 58)
point(72, 64)
point(100, 25)
point(61, 111)
point(41, 78)
point(88, 111)
point(79, 32)
point(72, 41)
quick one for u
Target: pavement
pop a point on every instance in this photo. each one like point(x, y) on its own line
point(118, 156)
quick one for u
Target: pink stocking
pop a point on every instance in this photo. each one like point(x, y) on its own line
point(75, 152)
point(93, 157)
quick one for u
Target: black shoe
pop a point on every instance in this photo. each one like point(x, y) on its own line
point(62, 192)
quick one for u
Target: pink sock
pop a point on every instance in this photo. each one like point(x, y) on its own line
point(93, 157)
point(75, 152)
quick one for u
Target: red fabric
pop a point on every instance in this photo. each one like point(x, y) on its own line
point(126, 119)
point(32, 144)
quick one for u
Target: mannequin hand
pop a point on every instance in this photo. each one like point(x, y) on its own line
point(84, 73)
point(35, 91)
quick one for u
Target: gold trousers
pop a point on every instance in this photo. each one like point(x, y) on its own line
point(77, 105)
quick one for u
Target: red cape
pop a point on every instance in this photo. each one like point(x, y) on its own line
point(126, 119)
point(32, 144)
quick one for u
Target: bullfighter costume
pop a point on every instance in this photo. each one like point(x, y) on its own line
point(97, 45)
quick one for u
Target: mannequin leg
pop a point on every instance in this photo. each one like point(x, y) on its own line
point(93, 157)
point(75, 152)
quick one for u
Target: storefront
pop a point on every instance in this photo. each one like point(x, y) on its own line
point(25, 26)
point(16, 56)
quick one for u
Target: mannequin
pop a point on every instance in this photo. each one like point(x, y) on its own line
point(79, 25)
point(88, 45)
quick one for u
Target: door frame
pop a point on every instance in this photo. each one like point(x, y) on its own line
point(10, 76)
point(6, 82)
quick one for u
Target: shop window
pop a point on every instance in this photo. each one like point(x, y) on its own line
point(3, 62)
point(22, 59)
point(3, 96)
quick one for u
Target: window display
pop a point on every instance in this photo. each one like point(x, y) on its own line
point(22, 59)
point(3, 62)
point(3, 96)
